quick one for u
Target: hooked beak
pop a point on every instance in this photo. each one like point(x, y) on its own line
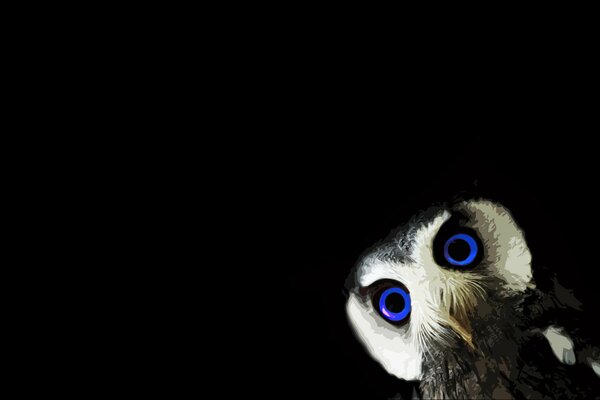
point(462, 329)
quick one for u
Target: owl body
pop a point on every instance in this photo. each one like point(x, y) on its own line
point(472, 323)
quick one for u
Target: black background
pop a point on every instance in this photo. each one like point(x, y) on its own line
point(322, 204)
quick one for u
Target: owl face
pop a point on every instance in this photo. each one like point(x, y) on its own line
point(419, 289)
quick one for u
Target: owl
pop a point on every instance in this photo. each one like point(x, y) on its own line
point(449, 301)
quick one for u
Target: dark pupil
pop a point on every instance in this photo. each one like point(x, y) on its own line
point(459, 250)
point(394, 302)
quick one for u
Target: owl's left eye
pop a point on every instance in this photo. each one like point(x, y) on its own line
point(461, 250)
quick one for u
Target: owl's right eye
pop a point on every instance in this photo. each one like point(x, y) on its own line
point(393, 303)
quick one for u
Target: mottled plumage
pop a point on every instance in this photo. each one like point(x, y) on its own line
point(485, 332)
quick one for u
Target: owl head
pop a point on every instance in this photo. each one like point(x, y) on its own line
point(436, 285)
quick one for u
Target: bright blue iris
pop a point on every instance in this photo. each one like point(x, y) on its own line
point(472, 249)
point(394, 316)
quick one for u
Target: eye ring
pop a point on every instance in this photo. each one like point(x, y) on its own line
point(386, 312)
point(473, 249)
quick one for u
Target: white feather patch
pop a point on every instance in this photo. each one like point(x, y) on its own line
point(596, 367)
point(561, 344)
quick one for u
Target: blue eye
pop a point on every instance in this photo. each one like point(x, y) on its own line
point(394, 304)
point(460, 250)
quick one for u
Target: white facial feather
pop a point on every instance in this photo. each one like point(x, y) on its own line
point(394, 348)
point(506, 250)
point(400, 349)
